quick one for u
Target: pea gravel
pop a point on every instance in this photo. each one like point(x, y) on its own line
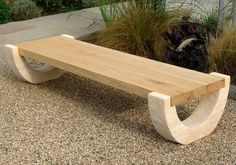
point(76, 121)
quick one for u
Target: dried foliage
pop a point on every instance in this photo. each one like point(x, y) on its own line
point(137, 31)
point(222, 53)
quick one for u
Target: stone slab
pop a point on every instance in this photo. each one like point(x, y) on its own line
point(76, 23)
point(3, 39)
point(33, 34)
point(15, 27)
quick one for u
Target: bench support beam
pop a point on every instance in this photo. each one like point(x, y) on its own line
point(200, 124)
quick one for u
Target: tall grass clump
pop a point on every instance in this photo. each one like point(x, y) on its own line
point(153, 4)
point(210, 21)
point(136, 30)
point(222, 53)
point(108, 9)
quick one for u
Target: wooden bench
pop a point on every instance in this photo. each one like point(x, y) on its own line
point(164, 85)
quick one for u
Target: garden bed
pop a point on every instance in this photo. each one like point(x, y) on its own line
point(18, 10)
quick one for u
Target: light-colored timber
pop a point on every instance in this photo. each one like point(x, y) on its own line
point(25, 72)
point(164, 85)
point(121, 70)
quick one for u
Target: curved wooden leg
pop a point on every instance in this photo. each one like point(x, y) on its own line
point(25, 72)
point(200, 124)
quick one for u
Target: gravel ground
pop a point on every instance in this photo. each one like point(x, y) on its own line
point(76, 121)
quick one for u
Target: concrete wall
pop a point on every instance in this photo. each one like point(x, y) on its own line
point(198, 5)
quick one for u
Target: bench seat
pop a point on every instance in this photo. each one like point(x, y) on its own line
point(159, 82)
point(127, 72)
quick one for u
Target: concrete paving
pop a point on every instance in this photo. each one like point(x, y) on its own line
point(77, 23)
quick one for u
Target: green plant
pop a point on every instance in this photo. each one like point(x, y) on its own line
point(137, 31)
point(210, 20)
point(50, 6)
point(88, 3)
point(108, 8)
point(4, 12)
point(76, 4)
point(222, 53)
point(153, 4)
point(24, 9)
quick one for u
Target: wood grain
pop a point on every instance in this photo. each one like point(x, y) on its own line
point(121, 70)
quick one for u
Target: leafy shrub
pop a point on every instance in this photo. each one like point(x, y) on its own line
point(24, 9)
point(222, 53)
point(50, 6)
point(210, 21)
point(110, 9)
point(4, 12)
point(136, 30)
point(88, 3)
point(186, 45)
point(8, 1)
point(55, 6)
point(77, 4)
point(153, 4)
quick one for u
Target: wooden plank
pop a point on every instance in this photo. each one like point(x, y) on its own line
point(121, 70)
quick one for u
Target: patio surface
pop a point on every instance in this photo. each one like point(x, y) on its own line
point(76, 23)
point(73, 120)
